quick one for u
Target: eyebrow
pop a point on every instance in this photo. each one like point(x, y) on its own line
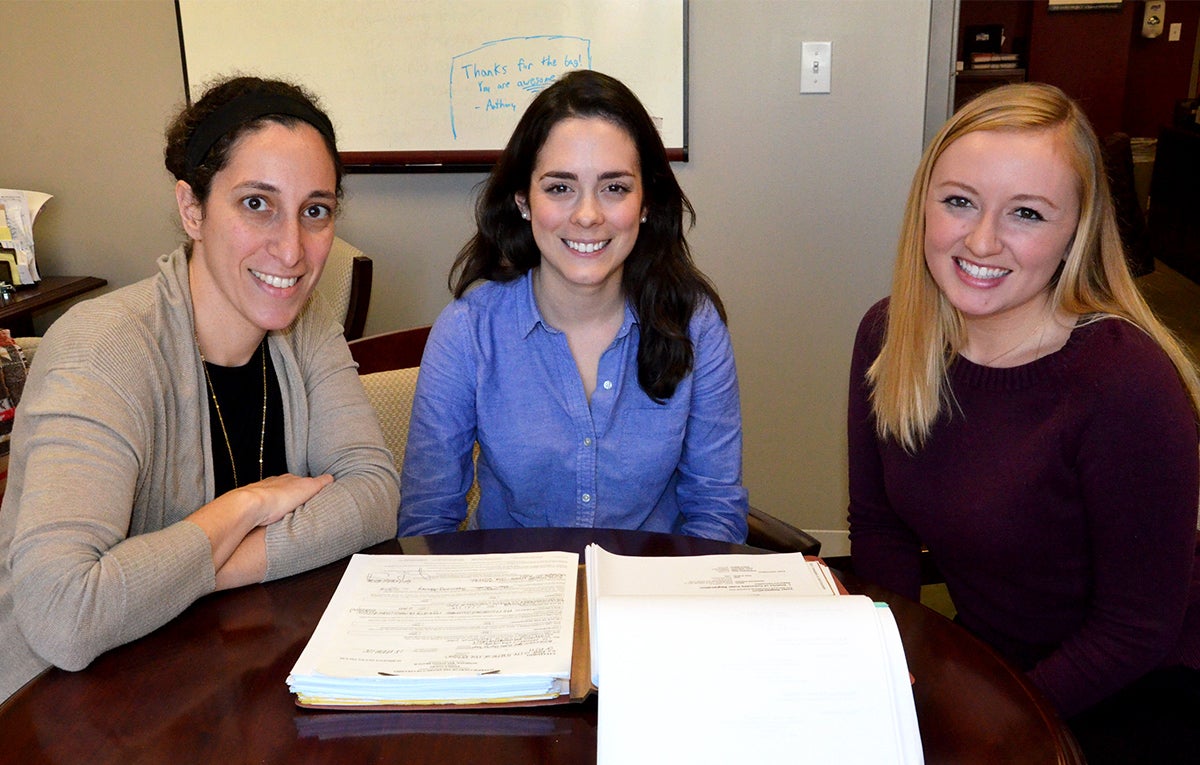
point(972, 190)
point(273, 189)
point(606, 176)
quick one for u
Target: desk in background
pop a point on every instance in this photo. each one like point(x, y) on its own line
point(210, 686)
point(16, 311)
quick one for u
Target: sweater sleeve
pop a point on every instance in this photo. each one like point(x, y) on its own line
point(87, 574)
point(333, 429)
point(883, 549)
point(1138, 472)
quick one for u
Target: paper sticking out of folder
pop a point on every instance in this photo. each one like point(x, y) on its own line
point(18, 211)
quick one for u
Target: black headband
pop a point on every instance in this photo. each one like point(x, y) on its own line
point(247, 108)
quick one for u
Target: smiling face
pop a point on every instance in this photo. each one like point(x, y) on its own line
point(260, 241)
point(585, 206)
point(1000, 213)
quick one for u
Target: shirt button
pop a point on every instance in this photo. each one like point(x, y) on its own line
point(587, 497)
point(587, 442)
point(608, 385)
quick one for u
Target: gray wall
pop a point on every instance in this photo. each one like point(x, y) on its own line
point(799, 197)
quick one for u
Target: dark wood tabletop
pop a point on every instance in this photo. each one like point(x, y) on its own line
point(210, 686)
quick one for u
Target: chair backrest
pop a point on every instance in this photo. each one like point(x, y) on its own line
point(391, 394)
point(346, 286)
point(388, 365)
point(391, 350)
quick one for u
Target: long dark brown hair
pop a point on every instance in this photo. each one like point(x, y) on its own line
point(660, 279)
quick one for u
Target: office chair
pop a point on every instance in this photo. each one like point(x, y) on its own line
point(346, 286)
point(401, 349)
point(771, 533)
point(388, 365)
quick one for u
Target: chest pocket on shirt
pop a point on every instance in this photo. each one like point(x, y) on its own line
point(651, 440)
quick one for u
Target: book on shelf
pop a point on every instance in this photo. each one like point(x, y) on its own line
point(716, 634)
point(981, 58)
point(995, 61)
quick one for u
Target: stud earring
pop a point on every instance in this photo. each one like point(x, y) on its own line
point(643, 219)
point(525, 214)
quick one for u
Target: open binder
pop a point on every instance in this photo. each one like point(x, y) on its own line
point(443, 632)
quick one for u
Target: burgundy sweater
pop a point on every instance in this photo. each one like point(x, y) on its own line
point(1059, 500)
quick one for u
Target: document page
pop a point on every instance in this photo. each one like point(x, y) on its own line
point(435, 628)
point(762, 680)
point(609, 574)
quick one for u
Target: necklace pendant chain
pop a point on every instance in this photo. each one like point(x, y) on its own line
point(262, 435)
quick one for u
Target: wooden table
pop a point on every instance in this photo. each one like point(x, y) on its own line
point(210, 686)
point(16, 311)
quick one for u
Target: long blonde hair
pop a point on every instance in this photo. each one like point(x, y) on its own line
point(909, 388)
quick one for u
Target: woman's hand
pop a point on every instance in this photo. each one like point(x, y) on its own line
point(270, 499)
point(234, 521)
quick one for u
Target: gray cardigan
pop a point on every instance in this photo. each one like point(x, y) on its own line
point(111, 451)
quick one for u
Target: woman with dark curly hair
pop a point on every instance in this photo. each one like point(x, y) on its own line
point(204, 428)
point(591, 363)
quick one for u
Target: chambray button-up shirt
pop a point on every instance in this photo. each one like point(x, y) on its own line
point(496, 373)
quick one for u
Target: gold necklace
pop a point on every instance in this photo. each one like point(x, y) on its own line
point(1044, 321)
point(1023, 343)
point(262, 436)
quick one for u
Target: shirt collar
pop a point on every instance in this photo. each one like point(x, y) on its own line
point(529, 317)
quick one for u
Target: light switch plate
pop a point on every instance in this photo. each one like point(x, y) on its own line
point(816, 64)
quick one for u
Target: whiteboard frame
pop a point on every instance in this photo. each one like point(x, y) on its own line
point(457, 160)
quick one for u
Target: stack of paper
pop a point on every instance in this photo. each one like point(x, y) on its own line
point(741, 576)
point(704, 663)
point(18, 210)
point(454, 629)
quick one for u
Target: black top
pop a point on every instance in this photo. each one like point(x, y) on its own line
point(239, 392)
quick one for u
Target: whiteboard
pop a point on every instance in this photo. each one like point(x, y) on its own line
point(415, 84)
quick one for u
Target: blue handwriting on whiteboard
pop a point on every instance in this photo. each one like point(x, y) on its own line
point(491, 85)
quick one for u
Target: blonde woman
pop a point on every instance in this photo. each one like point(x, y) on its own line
point(1016, 408)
